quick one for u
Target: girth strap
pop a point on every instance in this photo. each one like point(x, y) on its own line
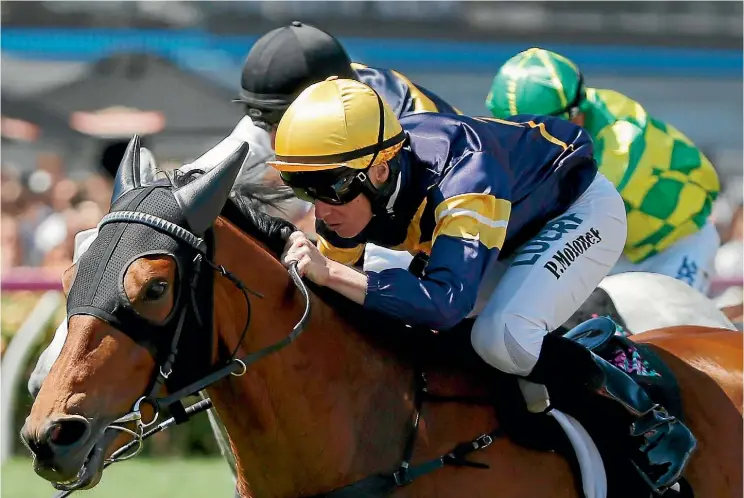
point(384, 484)
point(380, 485)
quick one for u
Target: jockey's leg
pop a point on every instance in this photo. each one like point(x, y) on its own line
point(665, 445)
point(690, 259)
point(549, 277)
point(540, 290)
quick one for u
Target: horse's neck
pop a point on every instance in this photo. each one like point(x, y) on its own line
point(320, 413)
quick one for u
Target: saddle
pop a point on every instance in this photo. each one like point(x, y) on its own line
point(599, 303)
point(606, 428)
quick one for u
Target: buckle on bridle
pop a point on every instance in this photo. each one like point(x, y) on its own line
point(136, 415)
point(167, 374)
point(137, 434)
point(242, 364)
point(402, 476)
point(482, 441)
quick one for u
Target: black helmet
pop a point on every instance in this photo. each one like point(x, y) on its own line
point(285, 61)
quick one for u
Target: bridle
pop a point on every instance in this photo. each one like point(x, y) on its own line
point(234, 366)
point(374, 485)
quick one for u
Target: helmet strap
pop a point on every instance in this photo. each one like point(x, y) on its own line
point(379, 196)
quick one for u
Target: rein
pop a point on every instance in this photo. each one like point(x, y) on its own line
point(239, 366)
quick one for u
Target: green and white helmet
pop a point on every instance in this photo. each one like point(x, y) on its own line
point(537, 81)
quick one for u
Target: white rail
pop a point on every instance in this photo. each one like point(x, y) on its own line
point(14, 361)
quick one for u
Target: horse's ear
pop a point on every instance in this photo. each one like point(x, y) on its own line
point(202, 200)
point(148, 167)
point(128, 174)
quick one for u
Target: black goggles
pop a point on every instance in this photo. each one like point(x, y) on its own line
point(572, 109)
point(336, 186)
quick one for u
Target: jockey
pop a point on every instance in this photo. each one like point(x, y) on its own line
point(667, 184)
point(468, 191)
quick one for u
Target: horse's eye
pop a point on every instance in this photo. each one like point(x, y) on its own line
point(155, 290)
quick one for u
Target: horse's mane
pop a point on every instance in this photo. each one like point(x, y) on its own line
point(246, 207)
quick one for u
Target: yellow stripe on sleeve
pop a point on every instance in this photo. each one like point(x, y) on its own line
point(480, 217)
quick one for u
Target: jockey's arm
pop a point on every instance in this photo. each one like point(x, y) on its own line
point(245, 131)
point(470, 227)
point(439, 300)
point(471, 219)
point(442, 297)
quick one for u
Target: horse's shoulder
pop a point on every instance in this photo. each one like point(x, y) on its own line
point(446, 358)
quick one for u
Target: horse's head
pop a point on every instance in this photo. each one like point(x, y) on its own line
point(132, 299)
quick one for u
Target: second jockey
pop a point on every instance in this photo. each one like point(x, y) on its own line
point(285, 61)
point(667, 184)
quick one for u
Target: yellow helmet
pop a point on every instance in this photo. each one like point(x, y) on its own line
point(336, 123)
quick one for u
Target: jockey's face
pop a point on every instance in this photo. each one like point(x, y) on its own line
point(348, 220)
point(579, 119)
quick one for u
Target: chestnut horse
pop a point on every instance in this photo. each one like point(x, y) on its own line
point(306, 414)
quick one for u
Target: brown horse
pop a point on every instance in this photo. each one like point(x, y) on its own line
point(328, 410)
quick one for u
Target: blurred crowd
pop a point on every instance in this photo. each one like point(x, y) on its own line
point(42, 211)
point(728, 216)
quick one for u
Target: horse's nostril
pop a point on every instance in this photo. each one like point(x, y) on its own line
point(67, 432)
point(54, 432)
